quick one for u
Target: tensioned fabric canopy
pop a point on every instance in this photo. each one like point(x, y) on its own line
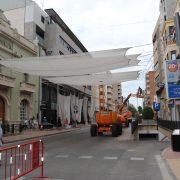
point(96, 79)
point(74, 64)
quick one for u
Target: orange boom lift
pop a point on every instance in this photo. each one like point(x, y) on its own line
point(110, 121)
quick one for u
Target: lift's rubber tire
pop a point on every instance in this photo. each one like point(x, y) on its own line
point(114, 130)
point(127, 124)
point(100, 133)
point(119, 128)
point(93, 130)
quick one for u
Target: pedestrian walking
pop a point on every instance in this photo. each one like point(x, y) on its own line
point(1, 134)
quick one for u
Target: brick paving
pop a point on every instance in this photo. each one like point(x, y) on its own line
point(173, 160)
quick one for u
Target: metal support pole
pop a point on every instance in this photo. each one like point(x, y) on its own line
point(57, 106)
point(40, 100)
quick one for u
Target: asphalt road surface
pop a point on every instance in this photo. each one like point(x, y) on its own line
point(78, 156)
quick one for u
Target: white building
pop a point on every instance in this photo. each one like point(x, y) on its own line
point(54, 37)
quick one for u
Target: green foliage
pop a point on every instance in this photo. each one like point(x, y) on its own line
point(140, 109)
point(148, 113)
point(133, 110)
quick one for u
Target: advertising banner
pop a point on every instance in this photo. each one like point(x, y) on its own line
point(172, 76)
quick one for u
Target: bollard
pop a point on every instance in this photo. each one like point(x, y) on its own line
point(12, 128)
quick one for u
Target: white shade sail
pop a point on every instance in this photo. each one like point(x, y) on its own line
point(96, 79)
point(74, 64)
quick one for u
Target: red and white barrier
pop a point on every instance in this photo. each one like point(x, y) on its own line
point(20, 160)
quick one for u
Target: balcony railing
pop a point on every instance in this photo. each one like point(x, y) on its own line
point(169, 125)
point(170, 40)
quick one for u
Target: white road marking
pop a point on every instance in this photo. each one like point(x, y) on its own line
point(131, 150)
point(163, 168)
point(137, 159)
point(85, 157)
point(111, 157)
point(62, 156)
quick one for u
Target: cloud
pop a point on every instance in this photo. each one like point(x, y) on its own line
point(106, 24)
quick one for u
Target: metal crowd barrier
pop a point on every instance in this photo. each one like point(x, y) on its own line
point(169, 125)
point(20, 160)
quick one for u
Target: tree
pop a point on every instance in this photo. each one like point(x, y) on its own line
point(133, 110)
point(140, 109)
point(148, 113)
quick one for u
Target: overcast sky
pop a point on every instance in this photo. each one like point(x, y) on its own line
point(107, 24)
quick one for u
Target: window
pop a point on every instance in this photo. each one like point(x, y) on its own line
point(61, 53)
point(173, 55)
point(39, 32)
point(69, 48)
point(26, 77)
point(171, 30)
point(42, 19)
point(49, 53)
point(24, 110)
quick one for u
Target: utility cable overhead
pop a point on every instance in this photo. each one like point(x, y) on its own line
point(116, 26)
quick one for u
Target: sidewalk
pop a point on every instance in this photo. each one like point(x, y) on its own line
point(31, 134)
point(173, 160)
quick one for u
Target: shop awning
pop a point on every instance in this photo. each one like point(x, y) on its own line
point(74, 64)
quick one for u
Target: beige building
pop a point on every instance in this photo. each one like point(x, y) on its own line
point(165, 48)
point(19, 93)
point(110, 96)
point(117, 95)
point(103, 97)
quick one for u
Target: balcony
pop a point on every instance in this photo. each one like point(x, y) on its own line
point(27, 87)
point(7, 81)
point(170, 40)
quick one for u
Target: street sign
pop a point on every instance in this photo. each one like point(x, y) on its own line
point(156, 106)
point(172, 69)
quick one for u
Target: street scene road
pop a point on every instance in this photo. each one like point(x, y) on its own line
point(78, 156)
point(90, 90)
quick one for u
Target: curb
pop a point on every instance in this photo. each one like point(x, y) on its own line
point(42, 136)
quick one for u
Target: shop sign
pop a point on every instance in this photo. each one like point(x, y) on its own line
point(172, 76)
point(156, 106)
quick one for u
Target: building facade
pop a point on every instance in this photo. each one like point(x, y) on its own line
point(19, 93)
point(165, 47)
point(117, 97)
point(110, 97)
point(53, 37)
point(150, 88)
